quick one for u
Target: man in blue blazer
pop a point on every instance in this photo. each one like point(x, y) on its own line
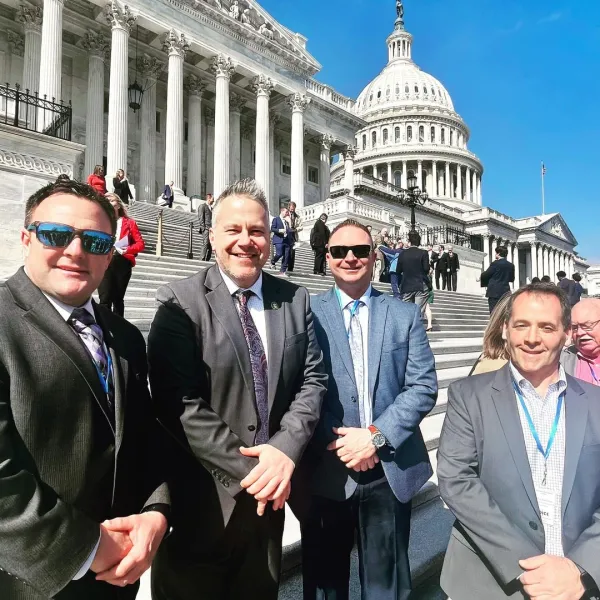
point(367, 458)
point(283, 240)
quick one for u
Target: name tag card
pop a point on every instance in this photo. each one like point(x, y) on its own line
point(548, 503)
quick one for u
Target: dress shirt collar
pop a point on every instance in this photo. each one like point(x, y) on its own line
point(233, 287)
point(346, 300)
point(525, 385)
point(65, 311)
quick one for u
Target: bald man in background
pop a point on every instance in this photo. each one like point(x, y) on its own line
point(582, 359)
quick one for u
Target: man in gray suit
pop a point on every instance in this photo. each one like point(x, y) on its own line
point(519, 467)
point(237, 373)
point(78, 444)
point(368, 458)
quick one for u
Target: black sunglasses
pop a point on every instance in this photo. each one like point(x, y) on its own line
point(56, 235)
point(359, 251)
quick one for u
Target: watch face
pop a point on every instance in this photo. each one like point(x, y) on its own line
point(378, 440)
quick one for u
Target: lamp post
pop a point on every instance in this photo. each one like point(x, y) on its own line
point(412, 197)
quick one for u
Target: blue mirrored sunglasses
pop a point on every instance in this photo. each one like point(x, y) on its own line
point(57, 235)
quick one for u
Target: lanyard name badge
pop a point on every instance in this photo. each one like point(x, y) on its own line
point(594, 377)
point(353, 310)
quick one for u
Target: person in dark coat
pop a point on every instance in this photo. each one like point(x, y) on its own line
point(205, 218)
point(168, 194)
point(319, 238)
point(449, 267)
point(121, 187)
point(413, 264)
point(438, 269)
point(498, 277)
point(572, 289)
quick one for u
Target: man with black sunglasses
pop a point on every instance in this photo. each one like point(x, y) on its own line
point(82, 504)
point(367, 457)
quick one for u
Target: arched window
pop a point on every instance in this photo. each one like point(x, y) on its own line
point(421, 133)
point(433, 91)
point(378, 94)
point(397, 135)
point(416, 89)
point(443, 140)
point(388, 92)
point(398, 178)
point(383, 176)
point(397, 89)
point(385, 137)
point(409, 133)
point(374, 139)
point(406, 89)
point(433, 135)
point(425, 90)
point(371, 97)
point(452, 137)
point(364, 140)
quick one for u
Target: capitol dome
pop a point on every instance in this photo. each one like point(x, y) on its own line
point(413, 130)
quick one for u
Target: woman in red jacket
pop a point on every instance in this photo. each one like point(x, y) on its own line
point(97, 180)
point(128, 245)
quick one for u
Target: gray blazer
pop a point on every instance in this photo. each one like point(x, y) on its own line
point(403, 387)
point(62, 468)
point(201, 379)
point(568, 360)
point(485, 479)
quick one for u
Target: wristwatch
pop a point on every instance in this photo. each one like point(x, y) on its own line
point(377, 437)
point(586, 579)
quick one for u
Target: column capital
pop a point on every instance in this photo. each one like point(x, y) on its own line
point(222, 66)
point(420, 162)
point(236, 102)
point(175, 44)
point(209, 116)
point(326, 141)
point(16, 42)
point(350, 152)
point(95, 44)
point(119, 16)
point(30, 17)
point(150, 67)
point(262, 85)
point(534, 244)
point(298, 102)
point(194, 86)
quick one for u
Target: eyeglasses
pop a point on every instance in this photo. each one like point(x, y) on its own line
point(56, 235)
point(359, 251)
point(587, 327)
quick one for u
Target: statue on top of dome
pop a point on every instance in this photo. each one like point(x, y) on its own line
point(399, 9)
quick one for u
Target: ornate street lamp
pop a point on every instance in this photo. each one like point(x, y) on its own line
point(135, 92)
point(412, 197)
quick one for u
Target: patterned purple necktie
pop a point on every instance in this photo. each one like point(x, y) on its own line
point(258, 359)
point(91, 335)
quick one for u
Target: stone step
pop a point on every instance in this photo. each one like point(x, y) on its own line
point(462, 359)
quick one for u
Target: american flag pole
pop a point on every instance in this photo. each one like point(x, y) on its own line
point(543, 189)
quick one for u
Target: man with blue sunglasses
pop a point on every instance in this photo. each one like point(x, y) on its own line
point(81, 497)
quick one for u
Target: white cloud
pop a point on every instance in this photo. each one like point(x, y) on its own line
point(514, 29)
point(557, 15)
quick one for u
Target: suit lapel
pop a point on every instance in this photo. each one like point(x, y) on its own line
point(503, 396)
point(276, 334)
point(221, 303)
point(378, 311)
point(335, 321)
point(576, 413)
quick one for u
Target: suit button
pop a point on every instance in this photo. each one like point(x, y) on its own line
point(533, 525)
point(353, 398)
point(251, 428)
point(226, 483)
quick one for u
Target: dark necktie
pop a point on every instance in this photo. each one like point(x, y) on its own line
point(91, 335)
point(258, 359)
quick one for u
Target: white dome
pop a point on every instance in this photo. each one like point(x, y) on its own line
point(401, 84)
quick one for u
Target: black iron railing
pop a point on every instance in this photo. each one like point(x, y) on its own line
point(445, 234)
point(26, 110)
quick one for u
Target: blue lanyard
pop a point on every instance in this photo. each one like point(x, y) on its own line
point(545, 453)
point(353, 310)
point(593, 373)
point(105, 381)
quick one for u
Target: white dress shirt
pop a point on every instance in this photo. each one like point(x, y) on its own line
point(543, 413)
point(346, 304)
point(65, 311)
point(255, 306)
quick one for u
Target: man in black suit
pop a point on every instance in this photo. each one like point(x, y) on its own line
point(413, 264)
point(77, 436)
point(237, 373)
point(438, 269)
point(121, 187)
point(449, 267)
point(168, 195)
point(498, 277)
point(205, 217)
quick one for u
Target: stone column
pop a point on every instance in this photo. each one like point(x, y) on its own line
point(420, 174)
point(175, 45)
point(459, 194)
point(509, 248)
point(404, 174)
point(298, 104)
point(534, 259)
point(325, 166)
point(349, 169)
point(223, 69)
point(194, 87)
point(517, 283)
point(121, 20)
point(479, 197)
point(96, 46)
point(474, 187)
point(274, 199)
point(31, 18)
point(434, 191)
point(551, 265)
point(375, 171)
point(571, 266)
point(390, 175)
point(51, 50)
point(236, 104)
point(487, 259)
point(448, 192)
point(263, 87)
point(468, 184)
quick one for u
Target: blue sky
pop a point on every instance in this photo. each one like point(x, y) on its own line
point(523, 74)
